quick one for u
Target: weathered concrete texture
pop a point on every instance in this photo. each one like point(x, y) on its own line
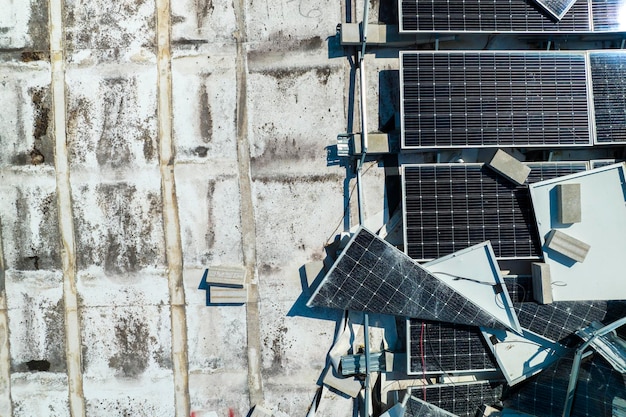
point(40, 394)
point(130, 397)
point(383, 93)
point(112, 119)
point(24, 25)
point(35, 311)
point(219, 392)
point(30, 222)
point(202, 21)
point(285, 135)
point(126, 26)
point(27, 87)
point(119, 224)
point(209, 217)
point(286, 20)
point(204, 105)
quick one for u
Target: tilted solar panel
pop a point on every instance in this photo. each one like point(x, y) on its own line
point(508, 16)
point(372, 276)
point(494, 99)
point(459, 399)
point(556, 8)
point(449, 207)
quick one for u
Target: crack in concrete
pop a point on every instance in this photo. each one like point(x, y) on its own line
point(73, 349)
point(171, 221)
point(5, 356)
point(248, 226)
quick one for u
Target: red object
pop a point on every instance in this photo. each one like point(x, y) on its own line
point(231, 413)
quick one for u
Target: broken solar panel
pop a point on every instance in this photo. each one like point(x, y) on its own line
point(559, 319)
point(459, 399)
point(418, 408)
point(544, 395)
point(449, 207)
point(482, 99)
point(446, 348)
point(608, 75)
point(512, 16)
point(372, 276)
point(556, 8)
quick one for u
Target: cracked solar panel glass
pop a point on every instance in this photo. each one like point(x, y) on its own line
point(560, 319)
point(459, 399)
point(556, 8)
point(449, 207)
point(608, 15)
point(473, 99)
point(449, 348)
point(544, 395)
point(608, 75)
point(522, 16)
point(519, 287)
point(418, 408)
point(373, 276)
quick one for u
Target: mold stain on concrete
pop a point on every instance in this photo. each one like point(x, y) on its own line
point(78, 119)
point(132, 337)
point(43, 148)
point(210, 235)
point(204, 9)
point(55, 336)
point(206, 119)
point(38, 27)
point(40, 248)
point(113, 148)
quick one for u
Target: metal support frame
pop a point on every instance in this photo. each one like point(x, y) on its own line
point(573, 378)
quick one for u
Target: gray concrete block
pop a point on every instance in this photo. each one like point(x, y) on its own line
point(224, 295)
point(567, 245)
point(542, 284)
point(349, 386)
point(568, 202)
point(350, 34)
point(377, 143)
point(509, 167)
point(226, 275)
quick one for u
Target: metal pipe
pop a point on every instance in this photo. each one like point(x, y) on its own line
point(366, 329)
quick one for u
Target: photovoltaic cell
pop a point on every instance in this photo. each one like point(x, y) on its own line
point(459, 399)
point(544, 395)
point(507, 16)
point(608, 15)
point(556, 8)
point(477, 99)
point(373, 276)
point(418, 408)
point(608, 75)
point(449, 207)
point(447, 348)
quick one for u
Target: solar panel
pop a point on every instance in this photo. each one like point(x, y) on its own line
point(507, 16)
point(608, 75)
point(373, 276)
point(449, 207)
point(489, 99)
point(544, 395)
point(608, 15)
point(458, 399)
point(418, 408)
point(446, 348)
point(556, 8)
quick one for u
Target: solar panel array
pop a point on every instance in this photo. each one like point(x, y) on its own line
point(608, 75)
point(449, 207)
point(459, 399)
point(373, 276)
point(474, 99)
point(544, 395)
point(447, 348)
point(516, 16)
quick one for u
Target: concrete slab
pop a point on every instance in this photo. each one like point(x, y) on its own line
point(27, 87)
point(111, 116)
point(196, 22)
point(220, 392)
point(509, 167)
point(40, 394)
point(36, 319)
point(30, 222)
point(569, 203)
point(24, 25)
